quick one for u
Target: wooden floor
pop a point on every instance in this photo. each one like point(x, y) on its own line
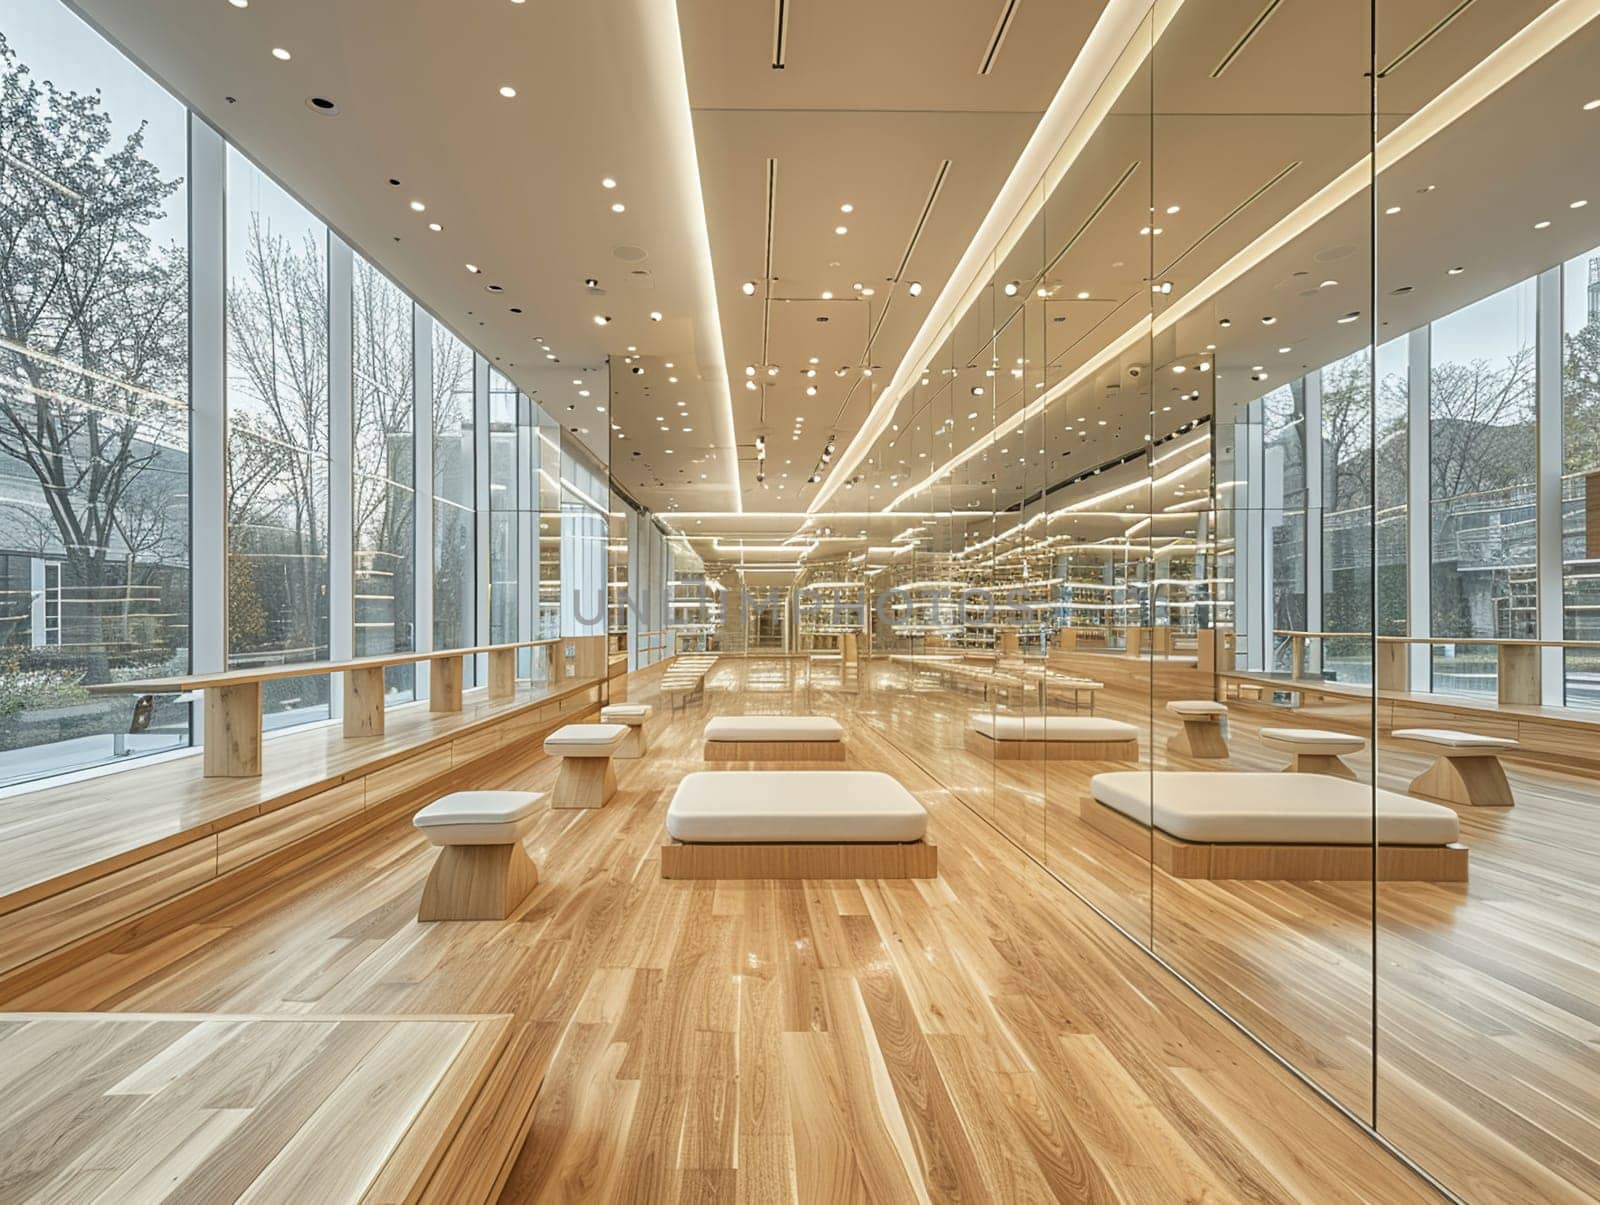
point(980, 1036)
point(126, 1107)
point(1486, 1000)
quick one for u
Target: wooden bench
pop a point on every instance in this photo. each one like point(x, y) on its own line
point(774, 738)
point(1314, 750)
point(1466, 767)
point(633, 716)
point(1201, 734)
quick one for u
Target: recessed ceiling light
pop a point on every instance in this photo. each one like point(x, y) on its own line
point(1083, 296)
point(1351, 316)
point(1457, 271)
point(474, 269)
point(418, 206)
point(246, 4)
point(434, 226)
point(1545, 225)
point(826, 295)
point(915, 288)
point(1173, 208)
point(1328, 284)
point(655, 315)
point(1591, 106)
point(841, 230)
point(507, 91)
point(847, 208)
point(1011, 288)
point(748, 288)
point(1393, 209)
point(1269, 320)
point(619, 207)
point(279, 53)
point(1225, 322)
point(1283, 351)
point(601, 319)
point(1577, 205)
point(866, 292)
point(608, 182)
point(750, 385)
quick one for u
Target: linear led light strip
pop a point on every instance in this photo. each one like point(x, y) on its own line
point(1519, 52)
point(663, 41)
point(1112, 55)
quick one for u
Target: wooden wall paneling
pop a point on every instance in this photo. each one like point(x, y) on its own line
point(271, 831)
point(63, 918)
point(408, 774)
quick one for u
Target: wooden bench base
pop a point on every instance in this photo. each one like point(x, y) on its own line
point(584, 782)
point(990, 749)
point(1197, 860)
point(846, 860)
point(774, 751)
point(477, 882)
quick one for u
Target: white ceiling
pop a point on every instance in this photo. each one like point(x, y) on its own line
point(873, 100)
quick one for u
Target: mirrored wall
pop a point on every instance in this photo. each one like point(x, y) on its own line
point(1232, 553)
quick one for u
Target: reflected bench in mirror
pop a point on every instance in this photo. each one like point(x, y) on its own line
point(774, 738)
point(1050, 738)
point(1466, 767)
point(796, 824)
point(1230, 824)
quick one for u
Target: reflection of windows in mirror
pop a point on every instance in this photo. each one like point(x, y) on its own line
point(454, 534)
point(1580, 474)
point(1482, 469)
point(505, 500)
point(1391, 469)
point(1284, 499)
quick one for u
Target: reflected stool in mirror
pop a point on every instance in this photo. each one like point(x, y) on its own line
point(1466, 766)
point(1314, 750)
point(1201, 735)
point(632, 716)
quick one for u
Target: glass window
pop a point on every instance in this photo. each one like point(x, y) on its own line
point(547, 462)
point(1391, 465)
point(277, 493)
point(505, 500)
point(1482, 454)
point(1346, 519)
point(1580, 475)
point(384, 475)
point(1283, 414)
point(454, 503)
point(94, 395)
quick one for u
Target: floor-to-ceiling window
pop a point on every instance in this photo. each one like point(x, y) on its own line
point(454, 536)
point(278, 426)
point(1345, 552)
point(505, 500)
point(94, 394)
point(384, 481)
point(1482, 457)
point(1580, 475)
point(1283, 422)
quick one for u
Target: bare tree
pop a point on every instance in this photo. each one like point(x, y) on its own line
point(93, 372)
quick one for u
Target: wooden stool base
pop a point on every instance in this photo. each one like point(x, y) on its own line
point(1477, 781)
point(477, 882)
point(584, 782)
point(1199, 738)
point(1320, 763)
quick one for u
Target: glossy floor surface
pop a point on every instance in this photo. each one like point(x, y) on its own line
point(981, 1036)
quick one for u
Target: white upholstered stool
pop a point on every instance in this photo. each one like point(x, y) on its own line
point(632, 716)
point(1314, 750)
point(482, 871)
point(1466, 768)
point(1201, 735)
point(586, 779)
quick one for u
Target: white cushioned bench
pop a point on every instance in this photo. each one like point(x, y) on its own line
point(1314, 750)
point(586, 779)
point(795, 824)
point(1230, 824)
point(632, 716)
point(482, 871)
point(1051, 738)
point(774, 738)
point(1466, 767)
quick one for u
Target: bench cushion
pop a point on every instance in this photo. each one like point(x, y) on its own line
point(621, 713)
point(1236, 807)
point(1313, 740)
point(774, 728)
point(586, 740)
point(1453, 740)
point(479, 817)
point(1196, 707)
point(794, 807)
point(1052, 728)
